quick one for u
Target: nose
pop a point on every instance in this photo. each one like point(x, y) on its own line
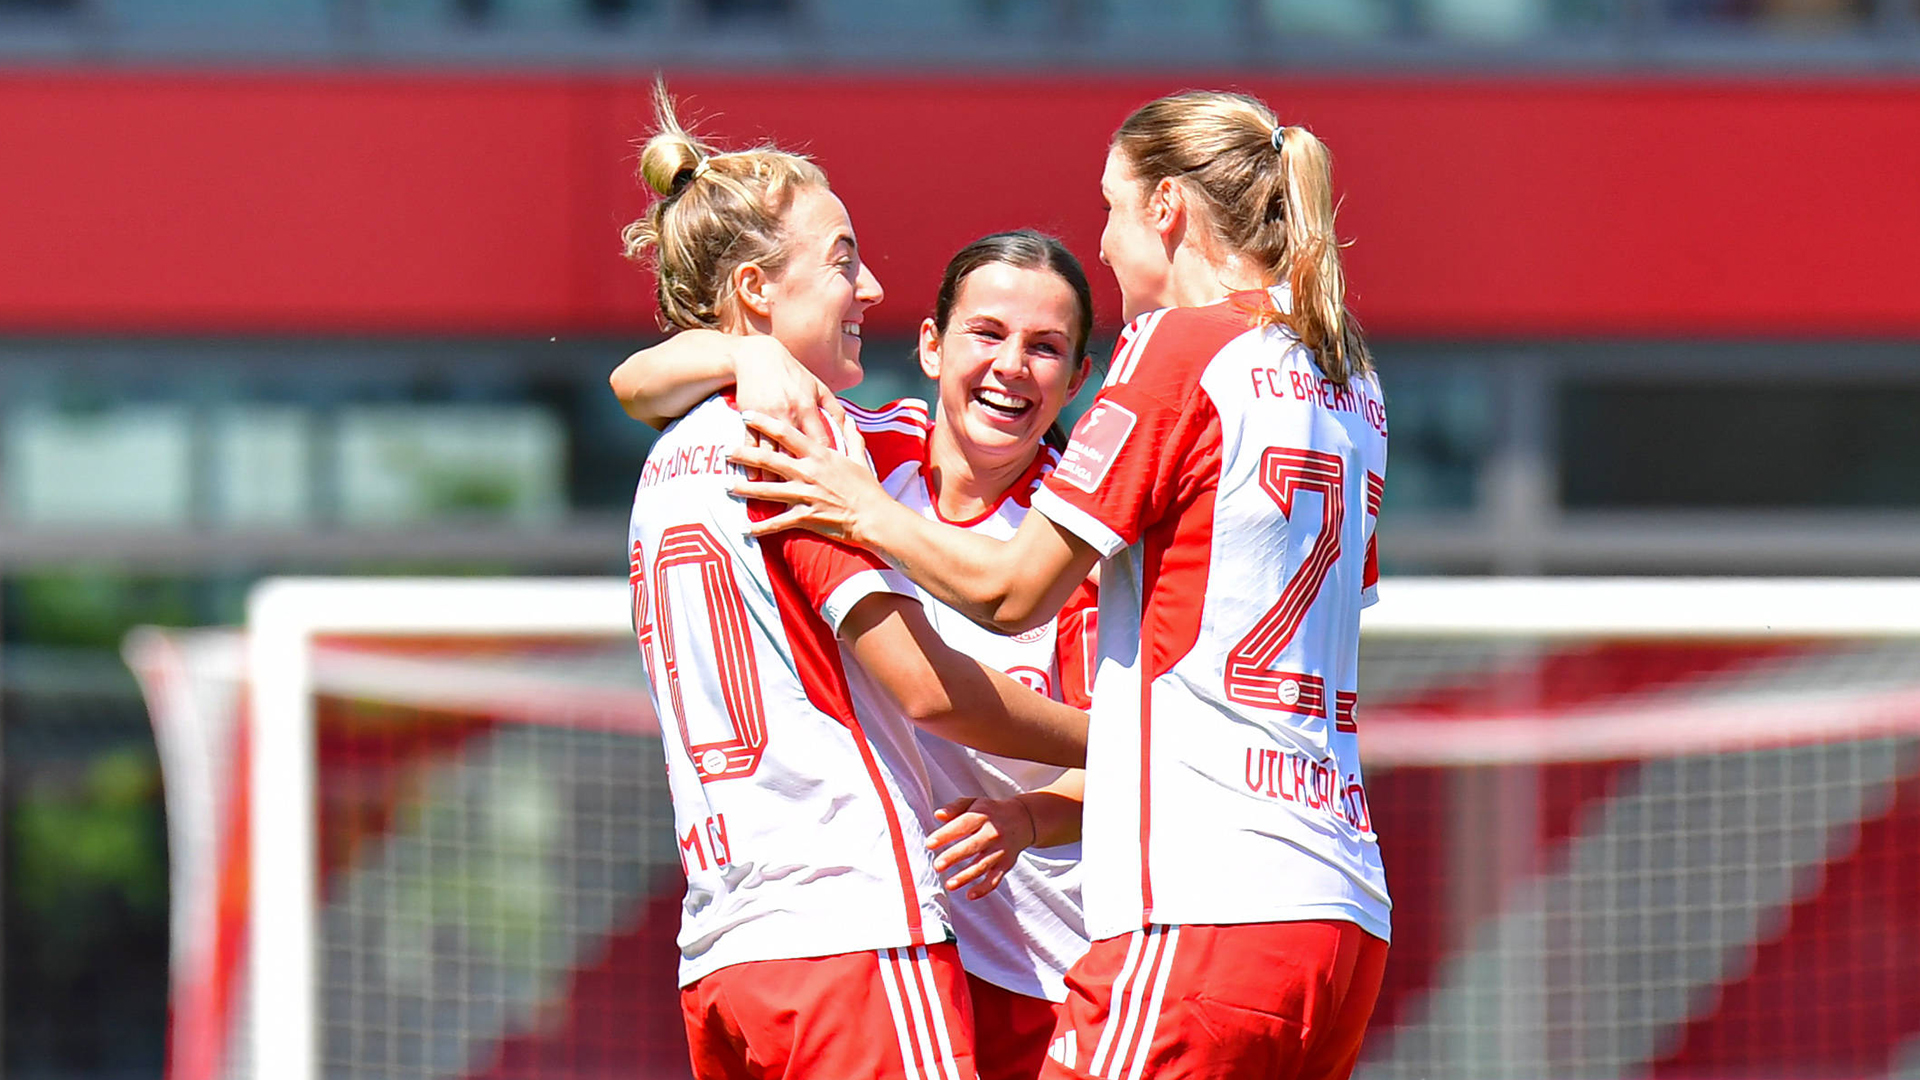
point(1011, 359)
point(866, 287)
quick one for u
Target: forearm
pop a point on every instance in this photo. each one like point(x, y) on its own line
point(1056, 809)
point(964, 569)
point(1010, 585)
point(988, 711)
point(953, 695)
point(659, 384)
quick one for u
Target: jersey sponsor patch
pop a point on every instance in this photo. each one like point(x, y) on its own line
point(1095, 442)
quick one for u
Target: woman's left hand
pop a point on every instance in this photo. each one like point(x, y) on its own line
point(983, 837)
point(826, 491)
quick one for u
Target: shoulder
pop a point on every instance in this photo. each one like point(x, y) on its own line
point(908, 416)
point(716, 413)
point(895, 433)
point(1176, 344)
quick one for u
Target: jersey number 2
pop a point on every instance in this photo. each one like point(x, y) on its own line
point(692, 549)
point(1251, 679)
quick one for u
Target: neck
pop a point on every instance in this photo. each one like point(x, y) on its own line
point(752, 325)
point(968, 482)
point(1199, 277)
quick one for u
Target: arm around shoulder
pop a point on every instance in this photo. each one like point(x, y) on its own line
point(661, 383)
point(1012, 585)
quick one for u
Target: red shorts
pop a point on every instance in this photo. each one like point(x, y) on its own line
point(1285, 1001)
point(895, 1014)
point(1010, 1031)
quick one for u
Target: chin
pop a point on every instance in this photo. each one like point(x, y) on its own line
point(849, 373)
point(989, 436)
point(1135, 302)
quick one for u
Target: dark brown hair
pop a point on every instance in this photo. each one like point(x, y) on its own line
point(1022, 249)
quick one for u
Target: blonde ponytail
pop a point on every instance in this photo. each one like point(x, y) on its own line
point(1268, 195)
point(1318, 284)
point(713, 212)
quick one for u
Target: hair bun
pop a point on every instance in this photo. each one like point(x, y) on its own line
point(668, 162)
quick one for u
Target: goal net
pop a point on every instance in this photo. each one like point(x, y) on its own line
point(1634, 828)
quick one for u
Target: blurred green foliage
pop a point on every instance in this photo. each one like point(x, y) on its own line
point(88, 854)
point(93, 607)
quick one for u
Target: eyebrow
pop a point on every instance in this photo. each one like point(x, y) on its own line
point(847, 239)
point(981, 318)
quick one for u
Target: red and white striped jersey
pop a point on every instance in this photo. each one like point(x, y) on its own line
point(1024, 935)
point(799, 797)
point(1234, 492)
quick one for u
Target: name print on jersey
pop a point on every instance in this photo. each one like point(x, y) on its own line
point(690, 845)
point(688, 461)
point(1297, 779)
point(1303, 386)
point(1096, 439)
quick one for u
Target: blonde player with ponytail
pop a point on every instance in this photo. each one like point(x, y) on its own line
point(1229, 476)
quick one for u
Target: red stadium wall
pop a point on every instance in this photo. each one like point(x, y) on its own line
point(357, 203)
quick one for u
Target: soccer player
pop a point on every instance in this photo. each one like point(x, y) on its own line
point(1006, 346)
point(1229, 475)
point(814, 938)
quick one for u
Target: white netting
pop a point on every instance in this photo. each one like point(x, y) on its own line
point(484, 873)
point(498, 879)
point(1687, 853)
point(1678, 858)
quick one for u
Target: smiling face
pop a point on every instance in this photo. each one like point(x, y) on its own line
point(1131, 244)
point(820, 298)
point(1008, 360)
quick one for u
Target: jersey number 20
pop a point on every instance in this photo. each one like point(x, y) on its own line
point(691, 549)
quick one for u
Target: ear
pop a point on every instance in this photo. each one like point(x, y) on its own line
point(1166, 207)
point(752, 287)
point(1080, 377)
point(930, 349)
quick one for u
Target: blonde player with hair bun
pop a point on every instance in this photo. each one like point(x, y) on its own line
point(790, 671)
point(1229, 475)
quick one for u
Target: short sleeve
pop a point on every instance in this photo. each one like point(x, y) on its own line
point(1129, 453)
point(1076, 643)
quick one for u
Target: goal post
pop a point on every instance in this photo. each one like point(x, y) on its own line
point(1618, 817)
point(284, 617)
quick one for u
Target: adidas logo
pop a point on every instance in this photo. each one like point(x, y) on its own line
point(1065, 1050)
